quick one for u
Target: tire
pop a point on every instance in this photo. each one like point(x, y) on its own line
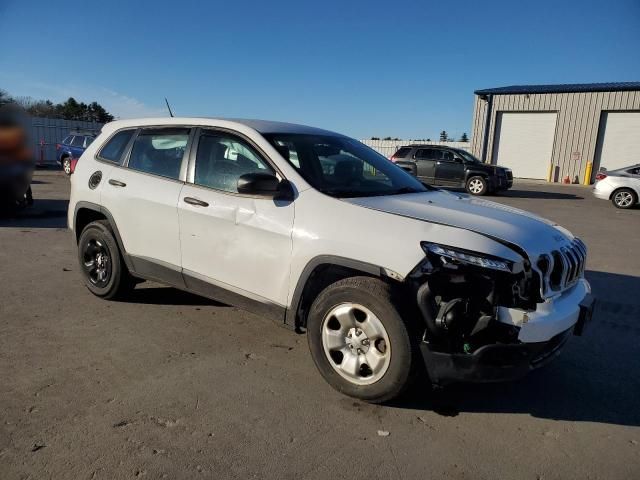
point(624, 198)
point(363, 304)
point(66, 165)
point(477, 185)
point(101, 263)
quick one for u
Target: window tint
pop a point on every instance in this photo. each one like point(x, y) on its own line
point(78, 141)
point(159, 151)
point(221, 160)
point(447, 155)
point(402, 152)
point(114, 148)
point(428, 153)
point(88, 141)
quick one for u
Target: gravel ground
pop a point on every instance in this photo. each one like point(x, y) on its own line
point(169, 385)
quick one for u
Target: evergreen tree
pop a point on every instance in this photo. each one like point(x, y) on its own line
point(464, 137)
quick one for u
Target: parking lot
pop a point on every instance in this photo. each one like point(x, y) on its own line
point(170, 385)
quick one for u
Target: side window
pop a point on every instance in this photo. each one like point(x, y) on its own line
point(428, 154)
point(114, 148)
point(447, 156)
point(159, 151)
point(88, 141)
point(78, 141)
point(67, 140)
point(221, 159)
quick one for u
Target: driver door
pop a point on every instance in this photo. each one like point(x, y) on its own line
point(449, 169)
point(235, 247)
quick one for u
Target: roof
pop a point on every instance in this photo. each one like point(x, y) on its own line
point(562, 88)
point(261, 126)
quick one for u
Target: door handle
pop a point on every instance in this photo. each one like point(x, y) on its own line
point(195, 202)
point(117, 183)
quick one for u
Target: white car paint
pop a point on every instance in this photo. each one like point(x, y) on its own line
point(260, 249)
point(616, 179)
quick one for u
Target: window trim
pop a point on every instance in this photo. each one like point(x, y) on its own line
point(191, 169)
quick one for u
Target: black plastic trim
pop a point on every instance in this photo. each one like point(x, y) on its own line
point(491, 363)
point(97, 208)
point(292, 310)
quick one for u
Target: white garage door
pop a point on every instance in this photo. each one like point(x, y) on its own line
point(524, 143)
point(620, 139)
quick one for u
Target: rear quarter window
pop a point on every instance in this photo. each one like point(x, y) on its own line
point(114, 148)
point(402, 152)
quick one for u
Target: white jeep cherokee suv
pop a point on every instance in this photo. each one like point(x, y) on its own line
point(324, 235)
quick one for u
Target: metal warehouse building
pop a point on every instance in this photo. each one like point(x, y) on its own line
point(555, 131)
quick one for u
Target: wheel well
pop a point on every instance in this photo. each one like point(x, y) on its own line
point(320, 278)
point(623, 188)
point(84, 217)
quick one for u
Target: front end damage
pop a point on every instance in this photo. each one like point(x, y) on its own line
point(489, 319)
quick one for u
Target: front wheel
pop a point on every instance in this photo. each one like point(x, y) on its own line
point(477, 186)
point(359, 341)
point(624, 198)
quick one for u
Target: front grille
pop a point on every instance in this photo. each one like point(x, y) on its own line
point(562, 268)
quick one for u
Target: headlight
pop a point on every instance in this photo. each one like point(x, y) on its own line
point(455, 255)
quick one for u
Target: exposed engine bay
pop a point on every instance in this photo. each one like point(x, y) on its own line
point(459, 301)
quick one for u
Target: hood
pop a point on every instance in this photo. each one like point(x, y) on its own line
point(528, 231)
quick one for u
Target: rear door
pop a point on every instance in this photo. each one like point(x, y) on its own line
point(449, 168)
point(142, 196)
point(235, 247)
point(426, 164)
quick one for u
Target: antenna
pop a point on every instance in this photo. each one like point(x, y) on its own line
point(168, 106)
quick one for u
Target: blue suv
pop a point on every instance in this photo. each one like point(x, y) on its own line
point(72, 147)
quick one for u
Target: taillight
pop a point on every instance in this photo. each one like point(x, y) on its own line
point(57, 146)
point(74, 162)
point(601, 176)
point(393, 159)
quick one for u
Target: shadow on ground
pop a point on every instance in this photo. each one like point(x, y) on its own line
point(524, 194)
point(45, 213)
point(167, 296)
point(595, 379)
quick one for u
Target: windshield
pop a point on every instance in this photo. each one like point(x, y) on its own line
point(343, 167)
point(467, 156)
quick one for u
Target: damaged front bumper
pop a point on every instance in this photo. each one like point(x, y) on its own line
point(541, 337)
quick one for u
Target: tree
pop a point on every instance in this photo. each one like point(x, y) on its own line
point(5, 97)
point(443, 136)
point(71, 109)
point(375, 138)
point(464, 138)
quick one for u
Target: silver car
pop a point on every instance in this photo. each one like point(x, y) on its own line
point(621, 186)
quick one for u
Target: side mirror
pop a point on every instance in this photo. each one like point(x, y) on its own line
point(458, 160)
point(265, 185)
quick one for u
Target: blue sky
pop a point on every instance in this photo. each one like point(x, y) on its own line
point(399, 68)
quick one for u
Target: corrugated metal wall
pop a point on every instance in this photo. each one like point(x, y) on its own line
point(53, 130)
point(576, 129)
point(389, 147)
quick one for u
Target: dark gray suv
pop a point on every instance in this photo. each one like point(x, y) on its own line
point(452, 167)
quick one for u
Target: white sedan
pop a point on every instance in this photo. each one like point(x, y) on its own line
point(621, 186)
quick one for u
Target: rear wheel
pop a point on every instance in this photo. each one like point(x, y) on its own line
point(102, 266)
point(66, 165)
point(477, 186)
point(624, 198)
point(359, 341)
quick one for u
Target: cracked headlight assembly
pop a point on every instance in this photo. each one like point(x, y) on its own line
point(456, 256)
